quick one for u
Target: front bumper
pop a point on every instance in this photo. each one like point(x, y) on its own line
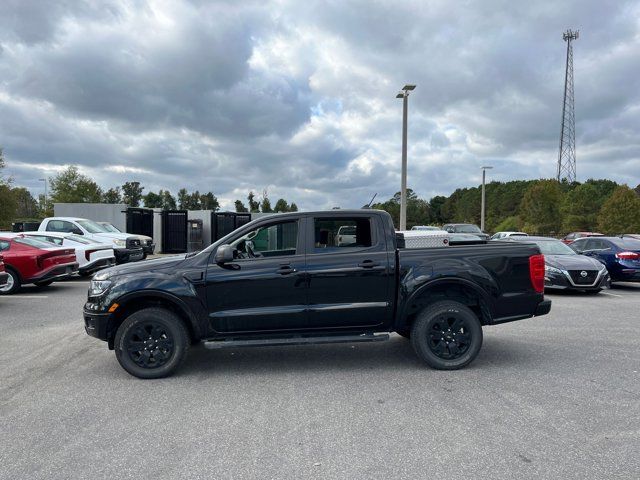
point(563, 281)
point(56, 272)
point(148, 248)
point(96, 324)
point(124, 255)
point(3, 278)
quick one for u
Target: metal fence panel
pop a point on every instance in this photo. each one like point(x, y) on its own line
point(174, 231)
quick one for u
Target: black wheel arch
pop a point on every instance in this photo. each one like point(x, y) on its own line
point(134, 302)
point(455, 289)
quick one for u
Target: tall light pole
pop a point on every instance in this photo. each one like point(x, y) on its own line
point(404, 95)
point(484, 172)
point(45, 193)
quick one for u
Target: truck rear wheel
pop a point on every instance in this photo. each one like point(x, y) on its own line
point(151, 343)
point(447, 335)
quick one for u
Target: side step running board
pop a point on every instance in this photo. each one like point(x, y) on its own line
point(299, 340)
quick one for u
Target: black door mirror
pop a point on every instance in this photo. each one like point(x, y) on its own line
point(224, 254)
point(76, 231)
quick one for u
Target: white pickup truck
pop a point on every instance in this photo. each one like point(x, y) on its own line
point(127, 248)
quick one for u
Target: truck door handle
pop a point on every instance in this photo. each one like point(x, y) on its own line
point(368, 264)
point(286, 269)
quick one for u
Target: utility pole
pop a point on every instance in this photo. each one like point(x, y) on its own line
point(404, 95)
point(482, 208)
point(45, 193)
point(567, 153)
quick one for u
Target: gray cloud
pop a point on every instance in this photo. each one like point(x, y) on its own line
point(299, 98)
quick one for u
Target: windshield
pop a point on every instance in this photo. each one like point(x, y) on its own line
point(110, 228)
point(627, 243)
point(554, 247)
point(467, 229)
point(34, 242)
point(92, 227)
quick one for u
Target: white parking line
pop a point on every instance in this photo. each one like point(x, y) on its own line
point(612, 294)
point(28, 296)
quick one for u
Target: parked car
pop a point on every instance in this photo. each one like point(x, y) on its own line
point(425, 227)
point(501, 235)
point(465, 228)
point(90, 254)
point(346, 235)
point(465, 239)
point(28, 260)
point(291, 287)
point(621, 255)
point(632, 235)
point(565, 269)
point(127, 248)
point(3, 275)
point(573, 236)
point(147, 242)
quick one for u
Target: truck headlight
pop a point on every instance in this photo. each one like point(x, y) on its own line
point(98, 287)
point(120, 243)
point(549, 269)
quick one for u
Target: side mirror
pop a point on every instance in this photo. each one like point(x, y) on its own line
point(224, 254)
point(76, 231)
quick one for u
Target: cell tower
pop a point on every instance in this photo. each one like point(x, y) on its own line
point(567, 154)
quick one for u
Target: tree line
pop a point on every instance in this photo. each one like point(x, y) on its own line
point(546, 207)
point(535, 206)
point(71, 186)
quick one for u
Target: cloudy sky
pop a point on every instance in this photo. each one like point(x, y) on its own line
point(299, 97)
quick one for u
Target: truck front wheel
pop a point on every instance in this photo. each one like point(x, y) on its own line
point(151, 343)
point(447, 335)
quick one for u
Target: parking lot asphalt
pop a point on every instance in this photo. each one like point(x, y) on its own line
point(550, 397)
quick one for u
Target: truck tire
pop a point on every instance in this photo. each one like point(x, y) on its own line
point(151, 343)
point(13, 283)
point(447, 335)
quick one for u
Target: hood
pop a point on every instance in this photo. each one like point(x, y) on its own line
point(141, 237)
point(142, 266)
point(572, 262)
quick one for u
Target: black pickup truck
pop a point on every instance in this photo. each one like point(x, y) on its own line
point(296, 279)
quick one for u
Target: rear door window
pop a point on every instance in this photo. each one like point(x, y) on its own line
point(342, 234)
point(59, 226)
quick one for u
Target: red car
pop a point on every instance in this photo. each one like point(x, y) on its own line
point(27, 260)
point(576, 235)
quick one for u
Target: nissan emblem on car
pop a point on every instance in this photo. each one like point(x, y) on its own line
point(583, 274)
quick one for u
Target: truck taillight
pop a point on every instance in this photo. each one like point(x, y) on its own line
point(536, 272)
point(628, 256)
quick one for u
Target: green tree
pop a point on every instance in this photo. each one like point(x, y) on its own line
point(418, 211)
point(509, 224)
point(26, 205)
point(540, 207)
point(435, 206)
point(168, 200)
point(620, 213)
point(208, 201)
point(281, 206)
point(240, 208)
point(132, 193)
point(254, 206)
point(70, 186)
point(265, 206)
point(182, 199)
point(112, 195)
point(580, 208)
point(152, 200)
point(293, 207)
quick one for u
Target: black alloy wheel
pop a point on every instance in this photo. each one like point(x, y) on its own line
point(447, 335)
point(151, 343)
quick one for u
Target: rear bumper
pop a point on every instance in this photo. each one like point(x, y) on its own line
point(627, 275)
point(543, 308)
point(97, 265)
point(124, 255)
point(54, 273)
point(3, 278)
